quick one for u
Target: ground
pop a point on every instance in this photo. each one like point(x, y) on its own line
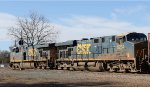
point(64, 78)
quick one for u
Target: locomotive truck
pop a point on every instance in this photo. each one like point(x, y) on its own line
point(124, 53)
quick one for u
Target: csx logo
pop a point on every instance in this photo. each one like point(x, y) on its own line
point(83, 48)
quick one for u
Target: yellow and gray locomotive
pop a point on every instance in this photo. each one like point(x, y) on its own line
point(39, 56)
point(124, 52)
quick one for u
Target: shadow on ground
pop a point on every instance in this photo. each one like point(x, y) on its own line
point(55, 84)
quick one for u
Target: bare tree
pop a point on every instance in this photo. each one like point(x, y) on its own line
point(34, 29)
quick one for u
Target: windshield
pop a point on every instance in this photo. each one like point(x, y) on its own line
point(136, 37)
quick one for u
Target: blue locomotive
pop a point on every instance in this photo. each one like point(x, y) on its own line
point(124, 52)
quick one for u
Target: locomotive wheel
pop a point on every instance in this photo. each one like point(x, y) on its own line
point(74, 67)
point(39, 67)
point(62, 68)
point(101, 68)
point(43, 67)
point(20, 68)
point(68, 68)
point(13, 67)
point(127, 70)
point(121, 68)
point(71, 69)
point(116, 69)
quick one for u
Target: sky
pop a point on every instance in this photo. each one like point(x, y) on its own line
point(78, 19)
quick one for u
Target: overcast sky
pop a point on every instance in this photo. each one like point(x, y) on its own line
point(79, 19)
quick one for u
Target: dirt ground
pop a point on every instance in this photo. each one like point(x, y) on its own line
point(64, 78)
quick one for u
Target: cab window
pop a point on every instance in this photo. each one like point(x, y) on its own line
point(136, 37)
point(120, 40)
point(96, 40)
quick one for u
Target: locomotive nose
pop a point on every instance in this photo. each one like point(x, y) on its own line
point(141, 49)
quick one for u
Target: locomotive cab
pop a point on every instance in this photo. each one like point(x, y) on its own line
point(134, 46)
point(140, 53)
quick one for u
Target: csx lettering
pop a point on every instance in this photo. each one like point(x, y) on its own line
point(83, 48)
